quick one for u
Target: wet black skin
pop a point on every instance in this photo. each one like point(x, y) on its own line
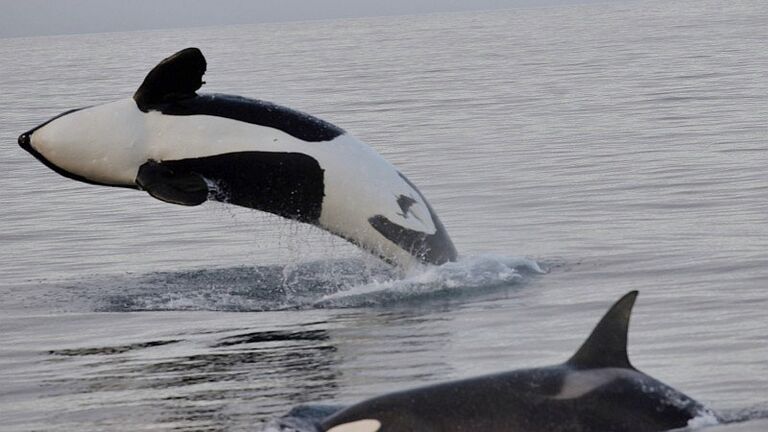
point(527, 400)
point(523, 401)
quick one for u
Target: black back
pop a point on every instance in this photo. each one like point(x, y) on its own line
point(528, 400)
point(171, 88)
point(296, 123)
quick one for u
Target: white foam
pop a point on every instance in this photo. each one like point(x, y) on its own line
point(471, 272)
point(705, 418)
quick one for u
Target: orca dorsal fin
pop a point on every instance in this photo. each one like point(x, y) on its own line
point(176, 77)
point(607, 345)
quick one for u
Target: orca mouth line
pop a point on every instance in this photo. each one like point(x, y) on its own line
point(28, 147)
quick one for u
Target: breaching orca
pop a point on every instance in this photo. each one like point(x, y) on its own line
point(597, 390)
point(185, 148)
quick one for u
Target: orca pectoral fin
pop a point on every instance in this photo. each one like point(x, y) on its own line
point(176, 77)
point(171, 186)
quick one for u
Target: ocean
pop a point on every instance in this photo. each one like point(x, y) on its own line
point(573, 153)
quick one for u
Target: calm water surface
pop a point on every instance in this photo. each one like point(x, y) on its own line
point(615, 147)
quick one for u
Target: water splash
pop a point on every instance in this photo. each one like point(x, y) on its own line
point(704, 419)
point(320, 284)
point(470, 275)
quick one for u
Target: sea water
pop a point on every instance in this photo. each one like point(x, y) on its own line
point(574, 153)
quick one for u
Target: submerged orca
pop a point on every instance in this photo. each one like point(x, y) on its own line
point(185, 148)
point(597, 390)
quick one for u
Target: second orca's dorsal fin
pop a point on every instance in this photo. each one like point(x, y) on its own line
point(607, 345)
point(176, 77)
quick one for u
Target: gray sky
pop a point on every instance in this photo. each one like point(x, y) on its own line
point(48, 17)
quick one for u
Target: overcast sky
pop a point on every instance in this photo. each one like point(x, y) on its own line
point(49, 17)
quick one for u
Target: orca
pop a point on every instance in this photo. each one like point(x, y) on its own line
point(186, 148)
point(596, 390)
